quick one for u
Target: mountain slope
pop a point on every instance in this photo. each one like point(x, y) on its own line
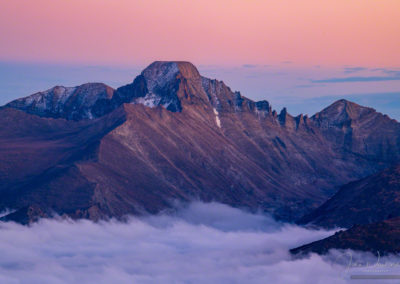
point(38, 157)
point(174, 135)
point(374, 198)
point(357, 130)
point(378, 238)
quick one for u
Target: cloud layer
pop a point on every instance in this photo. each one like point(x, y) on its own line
point(200, 243)
point(358, 79)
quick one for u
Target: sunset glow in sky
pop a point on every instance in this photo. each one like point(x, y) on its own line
point(307, 32)
point(302, 54)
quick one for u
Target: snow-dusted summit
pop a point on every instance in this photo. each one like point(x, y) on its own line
point(173, 85)
point(87, 101)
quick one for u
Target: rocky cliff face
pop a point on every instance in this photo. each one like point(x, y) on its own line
point(173, 134)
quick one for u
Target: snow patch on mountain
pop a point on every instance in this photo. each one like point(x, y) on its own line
point(217, 120)
point(54, 98)
point(150, 100)
point(87, 101)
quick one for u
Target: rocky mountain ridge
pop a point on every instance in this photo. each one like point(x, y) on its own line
point(174, 135)
point(153, 87)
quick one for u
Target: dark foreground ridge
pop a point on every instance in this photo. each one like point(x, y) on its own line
point(381, 238)
point(371, 199)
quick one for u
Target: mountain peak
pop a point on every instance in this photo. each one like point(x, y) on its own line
point(341, 106)
point(340, 112)
point(345, 104)
point(187, 69)
point(75, 103)
point(159, 71)
point(158, 84)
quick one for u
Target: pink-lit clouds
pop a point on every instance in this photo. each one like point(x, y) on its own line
point(359, 32)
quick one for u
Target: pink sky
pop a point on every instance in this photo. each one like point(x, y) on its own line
point(307, 32)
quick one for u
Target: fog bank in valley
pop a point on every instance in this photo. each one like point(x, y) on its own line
point(199, 243)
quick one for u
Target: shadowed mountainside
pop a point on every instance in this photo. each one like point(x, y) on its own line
point(371, 199)
point(378, 238)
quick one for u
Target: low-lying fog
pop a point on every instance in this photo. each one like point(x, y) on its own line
point(200, 243)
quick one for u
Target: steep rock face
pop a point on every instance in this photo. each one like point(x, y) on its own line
point(173, 134)
point(365, 201)
point(167, 84)
point(287, 120)
point(378, 238)
point(87, 101)
point(154, 87)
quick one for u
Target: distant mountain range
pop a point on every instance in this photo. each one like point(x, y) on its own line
point(94, 152)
